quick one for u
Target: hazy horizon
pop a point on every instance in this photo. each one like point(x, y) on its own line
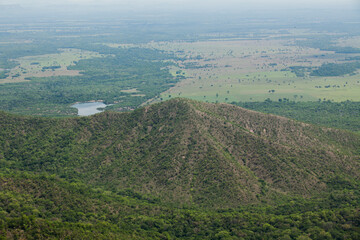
point(188, 3)
point(15, 10)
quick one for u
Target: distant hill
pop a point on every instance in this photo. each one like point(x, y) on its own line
point(186, 152)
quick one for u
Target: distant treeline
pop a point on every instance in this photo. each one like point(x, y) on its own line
point(327, 43)
point(51, 68)
point(344, 115)
point(333, 69)
point(326, 69)
point(299, 70)
point(4, 74)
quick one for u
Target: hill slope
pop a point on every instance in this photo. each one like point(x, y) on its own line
point(186, 152)
point(42, 206)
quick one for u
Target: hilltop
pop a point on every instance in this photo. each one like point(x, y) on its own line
point(180, 169)
point(186, 152)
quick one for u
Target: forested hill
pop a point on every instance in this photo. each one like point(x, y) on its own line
point(177, 170)
point(185, 152)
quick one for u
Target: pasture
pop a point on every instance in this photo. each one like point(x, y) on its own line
point(254, 70)
point(49, 65)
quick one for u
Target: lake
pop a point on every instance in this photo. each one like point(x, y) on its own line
point(89, 108)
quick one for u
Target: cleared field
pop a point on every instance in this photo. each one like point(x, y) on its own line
point(48, 65)
point(254, 70)
point(349, 42)
point(272, 85)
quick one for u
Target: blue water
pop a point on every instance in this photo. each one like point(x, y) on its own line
point(89, 108)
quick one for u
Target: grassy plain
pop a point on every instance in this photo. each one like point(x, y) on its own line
point(349, 42)
point(48, 65)
point(254, 70)
point(264, 85)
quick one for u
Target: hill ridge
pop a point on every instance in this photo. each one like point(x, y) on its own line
point(185, 152)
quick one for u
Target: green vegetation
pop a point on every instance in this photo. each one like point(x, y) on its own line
point(177, 170)
point(180, 169)
point(332, 69)
point(253, 71)
point(58, 69)
point(13, 51)
point(41, 206)
point(327, 43)
point(4, 74)
point(103, 79)
point(298, 70)
point(344, 115)
point(342, 49)
point(48, 65)
point(51, 67)
point(5, 63)
point(113, 150)
point(257, 87)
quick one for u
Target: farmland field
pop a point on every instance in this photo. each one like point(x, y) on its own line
point(48, 65)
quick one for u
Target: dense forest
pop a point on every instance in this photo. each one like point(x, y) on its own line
point(326, 69)
point(41, 206)
point(177, 170)
point(332, 69)
point(343, 115)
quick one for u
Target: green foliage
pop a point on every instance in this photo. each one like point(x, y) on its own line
point(326, 69)
point(177, 170)
point(339, 49)
point(333, 69)
point(299, 70)
point(103, 79)
point(5, 63)
point(39, 206)
point(184, 152)
point(4, 74)
point(13, 51)
point(51, 67)
point(344, 115)
point(326, 43)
